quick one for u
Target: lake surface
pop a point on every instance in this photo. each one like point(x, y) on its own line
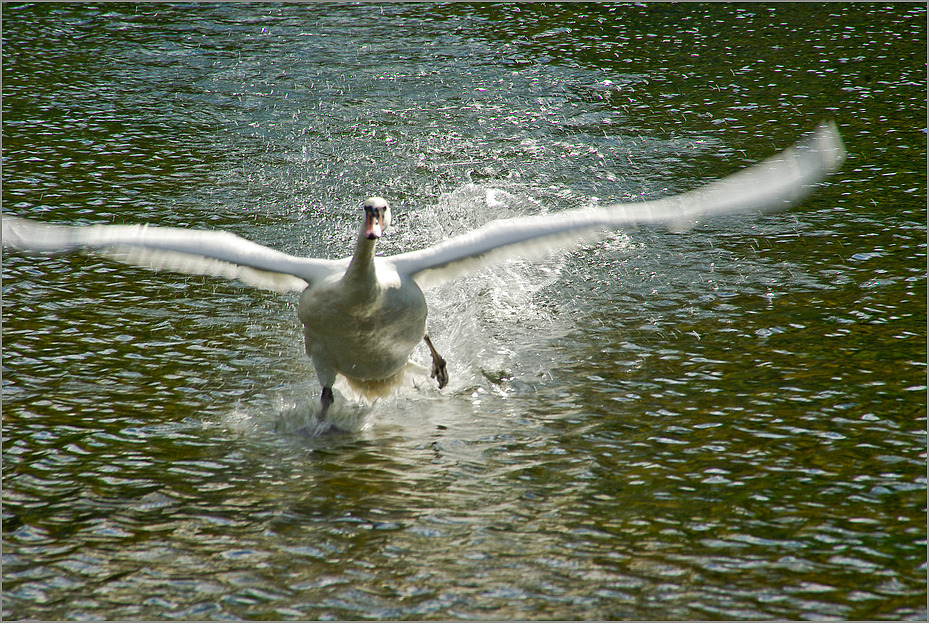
point(724, 423)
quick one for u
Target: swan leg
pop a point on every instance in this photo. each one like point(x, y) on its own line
point(326, 373)
point(439, 369)
point(327, 401)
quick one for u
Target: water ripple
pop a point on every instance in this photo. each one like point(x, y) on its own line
point(728, 423)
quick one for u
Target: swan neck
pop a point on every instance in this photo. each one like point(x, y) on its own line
point(361, 267)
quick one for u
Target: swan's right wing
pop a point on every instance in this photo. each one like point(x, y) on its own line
point(195, 252)
point(774, 184)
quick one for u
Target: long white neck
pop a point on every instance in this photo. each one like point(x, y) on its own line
point(361, 268)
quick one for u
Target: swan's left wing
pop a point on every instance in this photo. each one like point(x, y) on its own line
point(195, 252)
point(773, 184)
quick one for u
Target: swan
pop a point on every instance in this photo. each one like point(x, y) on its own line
point(363, 315)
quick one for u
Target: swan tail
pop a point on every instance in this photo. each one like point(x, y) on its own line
point(372, 389)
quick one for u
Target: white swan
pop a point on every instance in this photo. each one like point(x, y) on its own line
point(364, 315)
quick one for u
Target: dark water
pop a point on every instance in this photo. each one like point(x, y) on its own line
point(725, 423)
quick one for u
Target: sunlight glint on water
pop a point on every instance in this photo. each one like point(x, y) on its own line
point(724, 423)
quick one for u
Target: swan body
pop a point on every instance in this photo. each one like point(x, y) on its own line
point(363, 330)
point(364, 315)
point(364, 323)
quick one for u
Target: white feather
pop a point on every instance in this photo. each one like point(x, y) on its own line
point(195, 252)
point(771, 185)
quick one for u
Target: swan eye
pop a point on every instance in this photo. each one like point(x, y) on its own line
point(385, 217)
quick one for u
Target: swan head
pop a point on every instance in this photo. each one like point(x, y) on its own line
point(377, 218)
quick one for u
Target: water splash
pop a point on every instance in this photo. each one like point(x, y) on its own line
point(489, 326)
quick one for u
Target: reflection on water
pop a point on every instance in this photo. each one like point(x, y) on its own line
point(726, 423)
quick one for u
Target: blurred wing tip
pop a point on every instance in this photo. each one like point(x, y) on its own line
point(827, 141)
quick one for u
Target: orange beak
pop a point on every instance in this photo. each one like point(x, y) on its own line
point(373, 224)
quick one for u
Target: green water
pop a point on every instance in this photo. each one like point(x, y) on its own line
point(724, 423)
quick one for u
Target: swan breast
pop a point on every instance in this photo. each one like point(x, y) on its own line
point(364, 328)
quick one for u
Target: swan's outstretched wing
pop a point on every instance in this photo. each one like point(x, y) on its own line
point(774, 184)
point(195, 252)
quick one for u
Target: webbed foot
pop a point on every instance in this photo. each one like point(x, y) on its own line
point(439, 369)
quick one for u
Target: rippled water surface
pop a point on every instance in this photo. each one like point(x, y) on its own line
point(724, 423)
